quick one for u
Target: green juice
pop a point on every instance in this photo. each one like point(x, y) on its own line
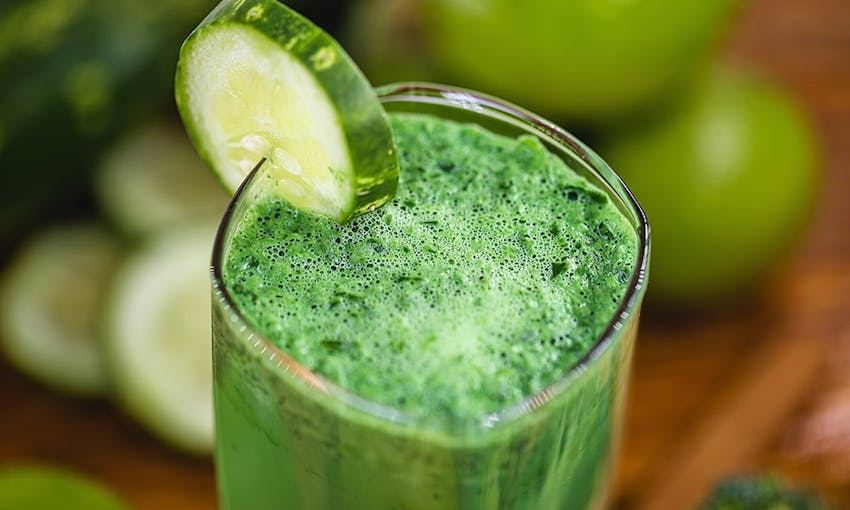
point(422, 353)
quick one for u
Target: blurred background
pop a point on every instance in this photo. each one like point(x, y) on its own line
point(728, 119)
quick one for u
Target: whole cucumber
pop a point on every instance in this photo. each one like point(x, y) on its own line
point(73, 75)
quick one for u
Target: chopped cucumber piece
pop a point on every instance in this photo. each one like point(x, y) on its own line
point(158, 336)
point(154, 179)
point(49, 302)
point(47, 488)
point(256, 80)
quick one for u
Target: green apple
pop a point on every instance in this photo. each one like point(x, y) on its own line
point(46, 488)
point(585, 60)
point(727, 181)
point(383, 38)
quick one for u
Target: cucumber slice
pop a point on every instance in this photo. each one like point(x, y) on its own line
point(257, 80)
point(158, 337)
point(45, 488)
point(154, 179)
point(49, 302)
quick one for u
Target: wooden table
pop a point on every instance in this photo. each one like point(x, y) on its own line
point(765, 388)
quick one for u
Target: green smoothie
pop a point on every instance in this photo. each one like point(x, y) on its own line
point(489, 276)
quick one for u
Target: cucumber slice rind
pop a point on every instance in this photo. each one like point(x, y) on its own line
point(369, 176)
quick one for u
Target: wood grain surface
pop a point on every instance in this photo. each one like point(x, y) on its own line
point(764, 388)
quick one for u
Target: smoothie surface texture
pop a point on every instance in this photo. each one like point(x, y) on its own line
point(487, 278)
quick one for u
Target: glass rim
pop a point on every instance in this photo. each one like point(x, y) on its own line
point(456, 97)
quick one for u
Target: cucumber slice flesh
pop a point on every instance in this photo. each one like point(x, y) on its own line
point(257, 80)
point(158, 337)
point(153, 179)
point(49, 304)
point(294, 126)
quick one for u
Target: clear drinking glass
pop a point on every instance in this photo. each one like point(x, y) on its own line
point(288, 438)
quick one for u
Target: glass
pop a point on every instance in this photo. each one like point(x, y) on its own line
point(287, 438)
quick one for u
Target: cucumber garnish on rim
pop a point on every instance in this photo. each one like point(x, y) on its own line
point(257, 80)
